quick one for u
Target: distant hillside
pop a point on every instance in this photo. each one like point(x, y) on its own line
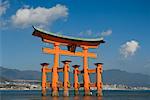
point(123, 77)
point(109, 76)
point(17, 74)
point(3, 79)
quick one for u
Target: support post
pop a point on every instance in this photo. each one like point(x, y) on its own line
point(76, 84)
point(54, 72)
point(85, 70)
point(99, 78)
point(66, 77)
point(44, 66)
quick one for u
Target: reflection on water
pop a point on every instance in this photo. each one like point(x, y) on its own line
point(91, 97)
point(72, 98)
point(76, 97)
point(107, 95)
point(44, 98)
point(99, 98)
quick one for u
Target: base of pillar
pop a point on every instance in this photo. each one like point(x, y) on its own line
point(87, 93)
point(55, 93)
point(43, 93)
point(76, 92)
point(66, 93)
point(99, 93)
point(99, 98)
point(44, 97)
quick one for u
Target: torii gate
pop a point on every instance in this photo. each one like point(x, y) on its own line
point(71, 43)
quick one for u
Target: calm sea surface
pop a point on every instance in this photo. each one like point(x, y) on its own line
point(107, 95)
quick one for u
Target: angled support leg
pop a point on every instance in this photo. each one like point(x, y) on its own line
point(76, 84)
point(66, 77)
point(99, 78)
point(44, 66)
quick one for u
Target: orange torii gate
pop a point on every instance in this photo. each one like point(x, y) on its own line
point(71, 44)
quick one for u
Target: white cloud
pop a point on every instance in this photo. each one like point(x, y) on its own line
point(129, 48)
point(88, 32)
point(3, 7)
point(106, 33)
point(3, 24)
point(38, 16)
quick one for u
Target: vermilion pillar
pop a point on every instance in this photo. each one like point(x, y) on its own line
point(76, 84)
point(66, 77)
point(85, 71)
point(54, 72)
point(44, 66)
point(99, 78)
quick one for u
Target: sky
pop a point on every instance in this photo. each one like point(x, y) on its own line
point(124, 25)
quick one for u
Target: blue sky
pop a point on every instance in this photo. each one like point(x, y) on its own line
point(124, 24)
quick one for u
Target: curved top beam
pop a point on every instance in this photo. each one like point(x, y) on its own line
point(66, 39)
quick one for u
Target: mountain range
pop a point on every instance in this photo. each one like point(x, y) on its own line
point(113, 76)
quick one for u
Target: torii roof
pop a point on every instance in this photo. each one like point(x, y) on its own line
point(66, 39)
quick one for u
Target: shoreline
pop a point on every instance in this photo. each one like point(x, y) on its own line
point(79, 90)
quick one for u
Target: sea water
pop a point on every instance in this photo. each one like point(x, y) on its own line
point(107, 95)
